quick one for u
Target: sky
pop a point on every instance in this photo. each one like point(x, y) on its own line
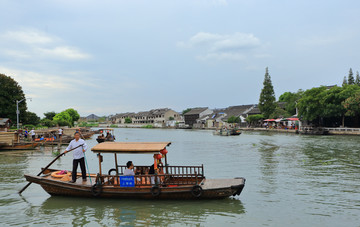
point(113, 56)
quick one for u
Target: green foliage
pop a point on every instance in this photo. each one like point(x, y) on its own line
point(29, 126)
point(357, 80)
point(114, 126)
point(185, 111)
point(267, 103)
point(254, 118)
point(73, 114)
point(102, 119)
point(10, 91)
point(171, 118)
point(63, 119)
point(351, 77)
point(310, 107)
point(234, 119)
point(147, 126)
point(322, 102)
point(344, 81)
point(352, 105)
point(31, 118)
point(87, 124)
point(66, 117)
point(47, 122)
point(50, 115)
point(279, 112)
point(128, 120)
point(290, 99)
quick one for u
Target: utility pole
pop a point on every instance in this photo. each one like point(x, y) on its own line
point(18, 111)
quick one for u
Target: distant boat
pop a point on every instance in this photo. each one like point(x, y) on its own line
point(10, 141)
point(225, 131)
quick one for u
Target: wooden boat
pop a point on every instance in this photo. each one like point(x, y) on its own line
point(20, 146)
point(168, 182)
point(228, 132)
point(110, 136)
point(11, 141)
point(314, 131)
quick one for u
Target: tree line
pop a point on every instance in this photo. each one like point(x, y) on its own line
point(320, 106)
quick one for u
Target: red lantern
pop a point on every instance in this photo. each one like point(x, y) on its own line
point(158, 156)
point(164, 152)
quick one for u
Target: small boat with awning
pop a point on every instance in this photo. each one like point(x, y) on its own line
point(164, 182)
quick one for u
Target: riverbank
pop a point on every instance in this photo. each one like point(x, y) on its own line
point(332, 131)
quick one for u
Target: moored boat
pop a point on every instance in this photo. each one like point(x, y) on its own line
point(110, 135)
point(167, 182)
point(20, 146)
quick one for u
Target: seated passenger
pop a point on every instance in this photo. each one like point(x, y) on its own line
point(129, 171)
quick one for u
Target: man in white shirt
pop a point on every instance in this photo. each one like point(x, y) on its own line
point(129, 171)
point(32, 133)
point(78, 155)
point(60, 132)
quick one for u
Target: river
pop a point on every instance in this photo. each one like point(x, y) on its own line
point(291, 180)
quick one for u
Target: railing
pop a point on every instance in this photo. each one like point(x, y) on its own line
point(165, 180)
point(174, 176)
point(344, 129)
point(196, 170)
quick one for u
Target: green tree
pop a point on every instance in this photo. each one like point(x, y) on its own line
point(50, 115)
point(309, 105)
point(267, 99)
point(352, 105)
point(73, 114)
point(10, 91)
point(128, 120)
point(233, 119)
point(351, 77)
point(279, 112)
point(344, 81)
point(47, 122)
point(290, 99)
point(357, 80)
point(31, 118)
point(63, 119)
point(254, 119)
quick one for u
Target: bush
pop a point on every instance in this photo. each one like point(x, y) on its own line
point(147, 126)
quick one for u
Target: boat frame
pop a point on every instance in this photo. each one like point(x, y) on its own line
point(177, 182)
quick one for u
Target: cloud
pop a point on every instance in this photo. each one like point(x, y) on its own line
point(29, 36)
point(36, 45)
point(64, 52)
point(41, 83)
point(235, 46)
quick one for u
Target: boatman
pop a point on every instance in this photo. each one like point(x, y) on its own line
point(78, 154)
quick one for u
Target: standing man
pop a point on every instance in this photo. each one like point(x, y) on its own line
point(78, 154)
point(60, 132)
point(32, 133)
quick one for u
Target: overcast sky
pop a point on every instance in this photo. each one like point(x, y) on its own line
point(108, 57)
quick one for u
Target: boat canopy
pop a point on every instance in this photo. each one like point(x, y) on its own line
point(130, 147)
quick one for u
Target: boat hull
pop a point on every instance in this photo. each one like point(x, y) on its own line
point(28, 146)
point(211, 189)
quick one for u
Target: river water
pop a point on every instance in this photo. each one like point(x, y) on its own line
point(291, 180)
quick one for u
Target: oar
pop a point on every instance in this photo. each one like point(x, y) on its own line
point(57, 157)
point(85, 158)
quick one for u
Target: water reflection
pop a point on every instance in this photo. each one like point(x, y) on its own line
point(268, 165)
point(137, 212)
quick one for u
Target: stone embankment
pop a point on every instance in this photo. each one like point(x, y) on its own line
point(332, 131)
